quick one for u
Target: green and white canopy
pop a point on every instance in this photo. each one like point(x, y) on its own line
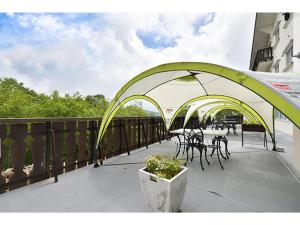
point(171, 87)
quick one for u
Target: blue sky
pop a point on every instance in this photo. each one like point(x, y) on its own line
point(21, 28)
point(155, 40)
point(99, 52)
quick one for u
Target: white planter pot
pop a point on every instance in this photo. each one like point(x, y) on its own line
point(163, 195)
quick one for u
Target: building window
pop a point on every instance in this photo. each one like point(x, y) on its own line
point(276, 36)
point(276, 66)
point(289, 55)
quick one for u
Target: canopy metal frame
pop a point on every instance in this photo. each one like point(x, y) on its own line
point(249, 80)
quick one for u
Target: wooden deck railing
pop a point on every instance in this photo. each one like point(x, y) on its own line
point(25, 148)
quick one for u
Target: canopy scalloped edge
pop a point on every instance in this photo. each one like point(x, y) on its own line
point(227, 103)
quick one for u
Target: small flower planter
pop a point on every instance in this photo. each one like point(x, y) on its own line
point(163, 195)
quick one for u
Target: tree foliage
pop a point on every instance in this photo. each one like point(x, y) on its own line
point(226, 112)
point(17, 101)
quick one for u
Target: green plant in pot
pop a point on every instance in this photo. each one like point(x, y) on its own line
point(163, 182)
point(163, 166)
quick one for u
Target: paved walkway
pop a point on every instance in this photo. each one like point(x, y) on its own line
point(254, 180)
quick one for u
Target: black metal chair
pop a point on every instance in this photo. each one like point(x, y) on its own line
point(183, 143)
point(196, 140)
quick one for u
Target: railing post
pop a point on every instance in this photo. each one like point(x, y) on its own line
point(139, 132)
point(48, 148)
point(158, 134)
point(144, 134)
point(50, 152)
point(126, 140)
point(92, 141)
point(53, 155)
point(152, 130)
point(120, 135)
point(242, 135)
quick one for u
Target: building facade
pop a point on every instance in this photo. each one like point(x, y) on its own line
point(276, 44)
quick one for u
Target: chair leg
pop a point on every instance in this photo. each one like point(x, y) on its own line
point(218, 148)
point(179, 140)
point(177, 152)
point(200, 150)
point(192, 154)
point(221, 151)
point(226, 149)
point(205, 149)
point(213, 150)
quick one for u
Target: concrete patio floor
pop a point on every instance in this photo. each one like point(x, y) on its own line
point(254, 180)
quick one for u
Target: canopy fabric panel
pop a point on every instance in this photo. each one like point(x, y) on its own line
point(223, 86)
point(171, 101)
point(287, 84)
point(173, 86)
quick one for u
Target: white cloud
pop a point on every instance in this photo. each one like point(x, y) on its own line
point(41, 23)
point(10, 14)
point(92, 58)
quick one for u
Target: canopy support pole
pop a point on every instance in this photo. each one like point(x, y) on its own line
point(273, 135)
point(96, 165)
point(96, 147)
point(144, 134)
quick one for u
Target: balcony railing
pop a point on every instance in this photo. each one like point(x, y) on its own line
point(37, 149)
point(262, 55)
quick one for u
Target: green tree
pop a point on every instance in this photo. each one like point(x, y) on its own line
point(226, 112)
point(17, 101)
point(134, 110)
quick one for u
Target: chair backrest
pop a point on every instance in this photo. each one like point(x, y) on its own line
point(186, 136)
point(193, 138)
point(189, 136)
point(199, 136)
